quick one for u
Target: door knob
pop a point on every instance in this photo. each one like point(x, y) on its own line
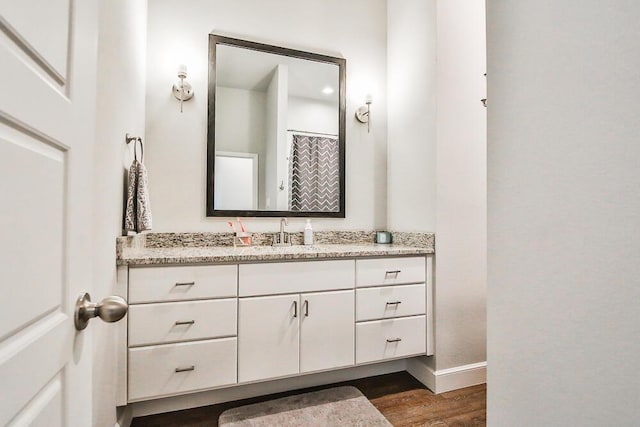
point(111, 309)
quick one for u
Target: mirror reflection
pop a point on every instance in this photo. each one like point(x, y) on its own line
point(276, 132)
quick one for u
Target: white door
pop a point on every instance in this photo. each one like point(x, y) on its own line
point(47, 113)
point(268, 337)
point(236, 181)
point(327, 330)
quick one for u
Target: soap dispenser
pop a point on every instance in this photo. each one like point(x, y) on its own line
point(308, 233)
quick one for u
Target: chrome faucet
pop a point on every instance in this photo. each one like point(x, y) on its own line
point(282, 238)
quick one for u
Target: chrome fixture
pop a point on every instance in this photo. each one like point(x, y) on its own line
point(182, 89)
point(363, 113)
point(283, 238)
point(111, 309)
point(135, 139)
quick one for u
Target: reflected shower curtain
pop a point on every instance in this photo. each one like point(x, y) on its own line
point(314, 174)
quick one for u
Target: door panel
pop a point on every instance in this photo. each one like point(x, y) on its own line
point(47, 127)
point(327, 330)
point(41, 27)
point(27, 233)
point(45, 409)
point(268, 337)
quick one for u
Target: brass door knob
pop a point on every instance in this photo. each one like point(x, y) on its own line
point(111, 309)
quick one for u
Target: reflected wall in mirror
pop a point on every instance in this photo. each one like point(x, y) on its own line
point(276, 131)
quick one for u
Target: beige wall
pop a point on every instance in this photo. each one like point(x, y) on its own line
point(120, 106)
point(564, 213)
point(355, 30)
point(461, 192)
point(411, 141)
point(437, 159)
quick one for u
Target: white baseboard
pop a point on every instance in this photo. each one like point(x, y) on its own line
point(445, 380)
point(229, 394)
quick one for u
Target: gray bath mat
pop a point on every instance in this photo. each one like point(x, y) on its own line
point(340, 406)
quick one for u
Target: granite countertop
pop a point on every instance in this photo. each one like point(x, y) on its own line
point(205, 255)
point(210, 248)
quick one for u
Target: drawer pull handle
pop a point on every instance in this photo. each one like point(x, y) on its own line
point(185, 283)
point(185, 322)
point(190, 368)
point(295, 309)
point(394, 340)
point(394, 303)
point(306, 308)
point(396, 272)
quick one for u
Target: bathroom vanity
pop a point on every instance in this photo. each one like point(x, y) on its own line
point(202, 318)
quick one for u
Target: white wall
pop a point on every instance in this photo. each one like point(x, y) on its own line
point(234, 130)
point(276, 132)
point(437, 159)
point(120, 106)
point(355, 30)
point(461, 167)
point(564, 213)
point(236, 133)
point(312, 115)
point(411, 83)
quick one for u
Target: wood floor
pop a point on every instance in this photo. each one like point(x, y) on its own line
point(401, 398)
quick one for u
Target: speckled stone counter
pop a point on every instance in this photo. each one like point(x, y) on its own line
point(208, 248)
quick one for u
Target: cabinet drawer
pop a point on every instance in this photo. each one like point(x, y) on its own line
point(390, 301)
point(387, 339)
point(181, 321)
point(204, 364)
point(155, 284)
point(390, 271)
point(294, 277)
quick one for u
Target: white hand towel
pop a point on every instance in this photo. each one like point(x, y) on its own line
point(138, 214)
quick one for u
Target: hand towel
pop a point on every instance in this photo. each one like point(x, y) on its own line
point(138, 214)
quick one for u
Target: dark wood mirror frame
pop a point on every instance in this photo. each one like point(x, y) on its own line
point(215, 40)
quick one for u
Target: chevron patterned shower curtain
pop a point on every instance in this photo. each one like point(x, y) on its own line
point(314, 174)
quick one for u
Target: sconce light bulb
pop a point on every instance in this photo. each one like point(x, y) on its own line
point(182, 71)
point(368, 99)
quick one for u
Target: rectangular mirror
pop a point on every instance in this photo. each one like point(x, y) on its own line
point(276, 131)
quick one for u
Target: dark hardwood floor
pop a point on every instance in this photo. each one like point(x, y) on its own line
point(401, 398)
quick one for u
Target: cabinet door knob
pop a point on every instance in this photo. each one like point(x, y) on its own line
point(394, 340)
point(185, 322)
point(190, 368)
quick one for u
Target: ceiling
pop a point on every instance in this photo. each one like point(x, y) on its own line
point(243, 68)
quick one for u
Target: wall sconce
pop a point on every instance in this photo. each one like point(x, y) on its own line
point(182, 89)
point(363, 113)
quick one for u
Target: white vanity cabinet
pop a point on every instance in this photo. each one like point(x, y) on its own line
point(182, 333)
point(294, 333)
point(298, 332)
point(203, 327)
point(327, 336)
point(391, 307)
point(269, 343)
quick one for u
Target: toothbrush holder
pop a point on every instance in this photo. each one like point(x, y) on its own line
point(242, 240)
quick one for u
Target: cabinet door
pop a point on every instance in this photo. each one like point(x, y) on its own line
point(268, 337)
point(327, 330)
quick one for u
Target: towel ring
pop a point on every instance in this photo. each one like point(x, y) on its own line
point(135, 140)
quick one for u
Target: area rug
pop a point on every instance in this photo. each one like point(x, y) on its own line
point(339, 406)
